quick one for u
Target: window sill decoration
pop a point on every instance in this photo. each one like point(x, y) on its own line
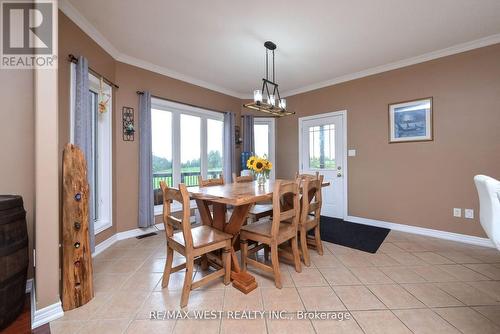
point(260, 167)
point(274, 104)
point(128, 123)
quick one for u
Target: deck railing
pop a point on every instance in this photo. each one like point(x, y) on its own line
point(188, 178)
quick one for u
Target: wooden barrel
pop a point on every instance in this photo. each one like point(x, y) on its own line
point(13, 258)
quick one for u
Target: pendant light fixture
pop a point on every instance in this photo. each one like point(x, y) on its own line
point(268, 99)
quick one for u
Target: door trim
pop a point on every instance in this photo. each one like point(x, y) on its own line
point(342, 113)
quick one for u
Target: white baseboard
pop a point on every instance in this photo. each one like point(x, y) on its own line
point(99, 248)
point(468, 239)
point(125, 235)
point(29, 285)
point(46, 314)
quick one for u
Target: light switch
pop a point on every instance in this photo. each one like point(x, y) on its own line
point(457, 212)
point(351, 153)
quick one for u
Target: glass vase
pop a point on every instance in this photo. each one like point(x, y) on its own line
point(261, 179)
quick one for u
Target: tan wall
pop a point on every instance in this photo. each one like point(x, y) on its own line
point(72, 40)
point(130, 79)
point(413, 183)
point(17, 169)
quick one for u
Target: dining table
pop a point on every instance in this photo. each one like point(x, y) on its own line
point(213, 202)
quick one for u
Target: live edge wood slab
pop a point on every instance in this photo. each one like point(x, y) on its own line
point(77, 261)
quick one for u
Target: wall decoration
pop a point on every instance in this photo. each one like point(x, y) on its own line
point(237, 135)
point(411, 121)
point(128, 123)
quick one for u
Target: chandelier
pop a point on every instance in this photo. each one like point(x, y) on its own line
point(268, 98)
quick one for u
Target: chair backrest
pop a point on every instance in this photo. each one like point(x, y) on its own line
point(289, 191)
point(488, 190)
point(181, 196)
point(311, 200)
point(210, 182)
point(242, 179)
point(304, 176)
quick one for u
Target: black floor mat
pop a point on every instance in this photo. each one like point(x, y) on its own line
point(363, 237)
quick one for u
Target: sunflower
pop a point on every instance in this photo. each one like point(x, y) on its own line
point(250, 162)
point(269, 165)
point(258, 165)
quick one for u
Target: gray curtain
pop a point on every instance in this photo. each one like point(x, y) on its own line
point(248, 140)
point(229, 145)
point(146, 203)
point(83, 131)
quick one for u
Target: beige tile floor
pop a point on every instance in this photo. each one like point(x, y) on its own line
point(413, 284)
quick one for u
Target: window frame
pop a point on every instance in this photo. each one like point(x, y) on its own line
point(271, 122)
point(177, 109)
point(105, 151)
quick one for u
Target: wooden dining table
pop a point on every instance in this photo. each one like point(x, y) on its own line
point(241, 196)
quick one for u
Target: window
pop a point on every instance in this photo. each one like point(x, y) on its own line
point(263, 131)
point(101, 150)
point(187, 142)
point(322, 147)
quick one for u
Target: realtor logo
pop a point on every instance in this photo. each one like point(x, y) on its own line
point(28, 35)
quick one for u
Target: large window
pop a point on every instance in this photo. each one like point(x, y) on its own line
point(263, 131)
point(101, 150)
point(187, 142)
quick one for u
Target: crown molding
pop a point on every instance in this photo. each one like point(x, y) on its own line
point(123, 58)
point(70, 11)
point(67, 8)
point(458, 48)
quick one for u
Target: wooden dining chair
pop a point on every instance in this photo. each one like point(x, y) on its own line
point(210, 182)
point(191, 243)
point(243, 178)
point(274, 232)
point(257, 211)
point(310, 210)
point(310, 176)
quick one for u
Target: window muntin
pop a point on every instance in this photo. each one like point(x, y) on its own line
point(322, 147)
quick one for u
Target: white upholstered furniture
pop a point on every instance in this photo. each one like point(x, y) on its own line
point(488, 190)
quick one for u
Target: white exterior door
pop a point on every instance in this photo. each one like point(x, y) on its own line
point(322, 150)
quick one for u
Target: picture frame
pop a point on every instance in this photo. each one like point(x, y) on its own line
point(411, 121)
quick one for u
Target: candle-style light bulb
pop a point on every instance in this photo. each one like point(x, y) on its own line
point(271, 100)
point(257, 96)
point(282, 104)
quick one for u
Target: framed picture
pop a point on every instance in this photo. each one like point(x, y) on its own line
point(411, 121)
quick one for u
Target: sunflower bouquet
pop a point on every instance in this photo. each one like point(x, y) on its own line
point(261, 168)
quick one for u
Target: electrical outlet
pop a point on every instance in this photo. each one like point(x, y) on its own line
point(469, 213)
point(457, 212)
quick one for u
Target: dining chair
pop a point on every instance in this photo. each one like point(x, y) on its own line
point(191, 243)
point(210, 182)
point(303, 176)
point(272, 233)
point(310, 211)
point(257, 211)
point(242, 178)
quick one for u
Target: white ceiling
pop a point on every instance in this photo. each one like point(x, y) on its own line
point(218, 44)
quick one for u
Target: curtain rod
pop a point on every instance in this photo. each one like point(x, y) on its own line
point(74, 60)
point(187, 104)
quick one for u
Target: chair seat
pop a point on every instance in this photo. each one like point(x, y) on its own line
point(202, 236)
point(261, 209)
point(264, 229)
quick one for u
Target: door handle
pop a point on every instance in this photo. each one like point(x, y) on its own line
point(339, 174)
